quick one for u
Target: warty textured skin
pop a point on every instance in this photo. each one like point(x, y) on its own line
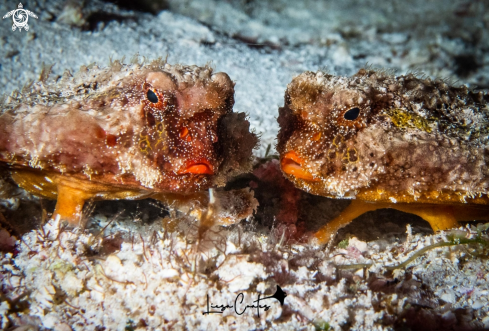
point(413, 139)
point(403, 142)
point(125, 131)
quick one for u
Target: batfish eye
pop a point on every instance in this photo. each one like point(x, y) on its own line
point(352, 114)
point(152, 96)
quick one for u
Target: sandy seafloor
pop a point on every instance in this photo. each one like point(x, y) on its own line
point(144, 276)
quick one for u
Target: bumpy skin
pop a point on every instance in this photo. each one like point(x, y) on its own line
point(382, 138)
point(126, 131)
point(412, 136)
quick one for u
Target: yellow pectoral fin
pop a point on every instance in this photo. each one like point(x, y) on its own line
point(440, 217)
point(70, 203)
point(354, 209)
point(35, 182)
point(70, 200)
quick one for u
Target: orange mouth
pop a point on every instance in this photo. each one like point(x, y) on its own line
point(202, 167)
point(292, 165)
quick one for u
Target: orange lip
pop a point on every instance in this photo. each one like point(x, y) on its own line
point(292, 165)
point(202, 167)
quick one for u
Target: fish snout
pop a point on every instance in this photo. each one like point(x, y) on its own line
point(292, 164)
point(197, 167)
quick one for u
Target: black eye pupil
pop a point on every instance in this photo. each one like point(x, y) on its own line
point(352, 114)
point(152, 96)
